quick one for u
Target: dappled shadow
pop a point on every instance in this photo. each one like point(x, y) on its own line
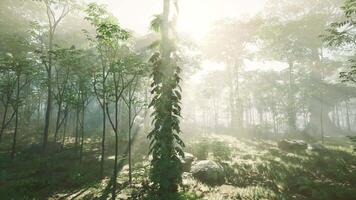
point(40, 176)
point(60, 175)
point(326, 174)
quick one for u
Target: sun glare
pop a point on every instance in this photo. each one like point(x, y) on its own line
point(197, 16)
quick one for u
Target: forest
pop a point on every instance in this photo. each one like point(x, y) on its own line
point(178, 99)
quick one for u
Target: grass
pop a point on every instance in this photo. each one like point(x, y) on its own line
point(255, 170)
point(259, 170)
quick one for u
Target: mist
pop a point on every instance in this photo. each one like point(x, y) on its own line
point(177, 99)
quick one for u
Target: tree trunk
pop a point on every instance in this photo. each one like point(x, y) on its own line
point(104, 125)
point(3, 123)
point(130, 127)
point(116, 140)
point(103, 141)
point(13, 151)
point(291, 106)
point(348, 115)
point(321, 120)
point(77, 125)
point(64, 131)
point(39, 113)
point(337, 116)
point(82, 130)
point(49, 91)
point(58, 120)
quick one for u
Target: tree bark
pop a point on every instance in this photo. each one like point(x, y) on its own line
point(348, 115)
point(17, 104)
point(130, 127)
point(82, 129)
point(291, 103)
point(58, 120)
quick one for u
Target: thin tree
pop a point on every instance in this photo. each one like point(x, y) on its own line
point(7, 88)
point(97, 15)
point(21, 70)
point(52, 8)
point(134, 105)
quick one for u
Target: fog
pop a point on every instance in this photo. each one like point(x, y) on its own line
point(177, 99)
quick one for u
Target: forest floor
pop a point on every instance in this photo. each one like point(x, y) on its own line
point(254, 168)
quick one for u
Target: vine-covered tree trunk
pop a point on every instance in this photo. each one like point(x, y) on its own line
point(166, 145)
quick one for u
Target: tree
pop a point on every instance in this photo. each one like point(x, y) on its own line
point(56, 11)
point(112, 38)
point(133, 98)
point(166, 145)
point(222, 45)
point(98, 16)
point(294, 39)
point(82, 73)
point(66, 59)
point(7, 88)
point(341, 34)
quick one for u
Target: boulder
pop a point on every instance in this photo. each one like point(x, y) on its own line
point(292, 145)
point(208, 172)
point(187, 161)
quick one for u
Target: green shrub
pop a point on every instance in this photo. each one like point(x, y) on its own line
point(353, 140)
point(221, 150)
point(201, 149)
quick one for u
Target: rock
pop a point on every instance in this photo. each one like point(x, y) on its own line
point(317, 147)
point(187, 161)
point(292, 145)
point(208, 172)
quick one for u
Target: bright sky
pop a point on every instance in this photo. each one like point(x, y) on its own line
point(195, 16)
point(195, 19)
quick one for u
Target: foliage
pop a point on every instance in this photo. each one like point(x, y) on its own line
point(221, 151)
point(201, 149)
point(353, 140)
point(259, 170)
point(341, 34)
point(166, 145)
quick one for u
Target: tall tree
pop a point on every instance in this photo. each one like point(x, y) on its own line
point(56, 11)
point(132, 99)
point(166, 145)
point(222, 45)
point(97, 15)
point(22, 70)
